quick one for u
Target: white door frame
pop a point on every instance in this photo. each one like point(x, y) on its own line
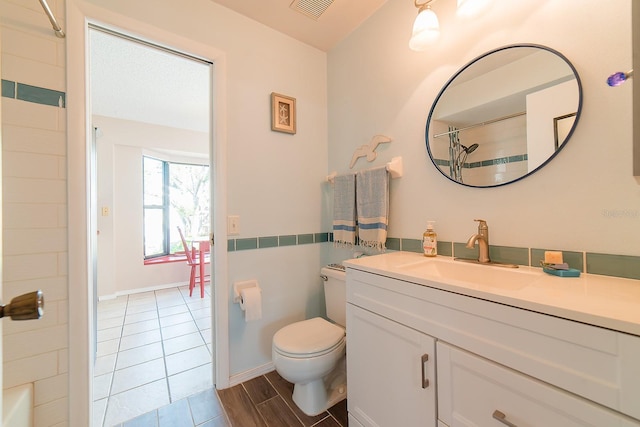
point(79, 16)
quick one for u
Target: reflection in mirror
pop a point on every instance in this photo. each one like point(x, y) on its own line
point(504, 115)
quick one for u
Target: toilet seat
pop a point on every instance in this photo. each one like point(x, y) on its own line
point(308, 338)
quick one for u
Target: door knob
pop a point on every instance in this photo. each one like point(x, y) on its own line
point(24, 307)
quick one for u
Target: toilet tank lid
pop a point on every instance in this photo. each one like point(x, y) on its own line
point(308, 336)
point(333, 272)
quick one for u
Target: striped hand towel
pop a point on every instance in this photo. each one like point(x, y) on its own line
point(372, 205)
point(344, 210)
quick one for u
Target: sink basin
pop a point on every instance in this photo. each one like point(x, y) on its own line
point(483, 275)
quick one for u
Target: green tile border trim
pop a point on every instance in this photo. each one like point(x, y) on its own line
point(574, 259)
point(265, 242)
point(624, 266)
point(614, 265)
point(8, 89)
point(35, 94)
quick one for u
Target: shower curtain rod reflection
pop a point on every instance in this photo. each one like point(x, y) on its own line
point(52, 19)
point(488, 122)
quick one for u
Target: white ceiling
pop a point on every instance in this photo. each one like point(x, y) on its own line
point(338, 21)
point(132, 81)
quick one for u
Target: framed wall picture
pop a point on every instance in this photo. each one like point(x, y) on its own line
point(283, 113)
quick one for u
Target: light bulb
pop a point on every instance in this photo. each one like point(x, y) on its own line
point(426, 30)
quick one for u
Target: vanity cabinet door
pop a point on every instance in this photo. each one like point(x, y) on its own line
point(473, 391)
point(390, 372)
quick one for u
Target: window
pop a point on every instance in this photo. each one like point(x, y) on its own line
point(175, 195)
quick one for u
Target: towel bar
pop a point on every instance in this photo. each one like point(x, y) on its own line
point(394, 167)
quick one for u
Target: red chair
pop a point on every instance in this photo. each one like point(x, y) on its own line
point(196, 259)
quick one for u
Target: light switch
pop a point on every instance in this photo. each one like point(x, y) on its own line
point(105, 211)
point(233, 224)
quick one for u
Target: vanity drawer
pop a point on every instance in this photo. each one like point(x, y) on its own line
point(473, 391)
point(598, 364)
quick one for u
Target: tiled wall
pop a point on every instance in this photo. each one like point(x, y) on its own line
point(587, 262)
point(34, 203)
point(594, 263)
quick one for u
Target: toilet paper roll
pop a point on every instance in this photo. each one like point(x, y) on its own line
point(251, 303)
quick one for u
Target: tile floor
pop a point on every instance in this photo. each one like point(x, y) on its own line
point(266, 401)
point(154, 358)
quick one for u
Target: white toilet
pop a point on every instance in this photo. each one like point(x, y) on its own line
point(311, 353)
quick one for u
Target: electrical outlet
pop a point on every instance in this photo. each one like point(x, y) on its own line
point(105, 211)
point(233, 225)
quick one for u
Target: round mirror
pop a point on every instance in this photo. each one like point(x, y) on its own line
point(504, 115)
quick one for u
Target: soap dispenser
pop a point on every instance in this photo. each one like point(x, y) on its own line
point(430, 241)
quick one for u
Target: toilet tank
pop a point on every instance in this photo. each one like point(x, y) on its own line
point(335, 294)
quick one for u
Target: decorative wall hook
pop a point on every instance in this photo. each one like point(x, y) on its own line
point(368, 150)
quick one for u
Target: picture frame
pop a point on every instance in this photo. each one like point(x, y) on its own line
point(283, 113)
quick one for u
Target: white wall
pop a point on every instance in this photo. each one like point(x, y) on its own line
point(378, 85)
point(120, 147)
point(274, 179)
point(34, 208)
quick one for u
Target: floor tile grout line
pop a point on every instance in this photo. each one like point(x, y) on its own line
point(164, 354)
point(285, 400)
point(224, 410)
point(117, 354)
point(113, 369)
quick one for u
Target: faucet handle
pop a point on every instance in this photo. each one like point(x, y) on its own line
point(482, 224)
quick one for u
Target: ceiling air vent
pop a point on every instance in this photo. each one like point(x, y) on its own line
point(311, 8)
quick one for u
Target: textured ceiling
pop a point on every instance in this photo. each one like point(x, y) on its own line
point(339, 19)
point(132, 81)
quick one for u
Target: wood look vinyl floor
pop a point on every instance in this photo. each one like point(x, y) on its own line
point(266, 402)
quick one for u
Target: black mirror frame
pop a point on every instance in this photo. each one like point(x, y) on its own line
point(461, 70)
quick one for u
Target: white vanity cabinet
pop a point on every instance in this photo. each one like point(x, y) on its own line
point(529, 368)
point(389, 388)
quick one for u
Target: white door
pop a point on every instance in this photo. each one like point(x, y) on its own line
point(390, 372)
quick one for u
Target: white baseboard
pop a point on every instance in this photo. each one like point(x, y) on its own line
point(251, 374)
point(141, 290)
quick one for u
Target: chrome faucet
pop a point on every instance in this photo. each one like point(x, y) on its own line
point(482, 237)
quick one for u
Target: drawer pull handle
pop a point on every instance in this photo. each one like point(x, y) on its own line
point(502, 418)
point(425, 380)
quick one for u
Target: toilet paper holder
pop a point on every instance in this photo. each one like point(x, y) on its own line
point(239, 286)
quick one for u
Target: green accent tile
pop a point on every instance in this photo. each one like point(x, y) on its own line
point(393, 243)
point(614, 265)
point(460, 250)
point(504, 254)
point(509, 255)
point(412, 245)
point(40, 95)
point(8, 89)
point(305, 239)
point(574, 259)
point(231, 245)
point(246, 244)
point(289, 240)
point(321, 237)
point(268, 242)
point(444, 248)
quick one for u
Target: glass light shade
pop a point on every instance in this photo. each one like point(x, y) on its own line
point(469, 8)
point(426, 30)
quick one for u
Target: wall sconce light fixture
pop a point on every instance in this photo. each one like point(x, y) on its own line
point(616, 79)
point(426, 28)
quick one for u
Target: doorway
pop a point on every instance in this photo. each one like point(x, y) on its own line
point(154, 341)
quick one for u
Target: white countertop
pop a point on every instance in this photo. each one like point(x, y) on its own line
point(604, 301)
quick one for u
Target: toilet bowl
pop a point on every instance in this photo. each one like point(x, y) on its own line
point(311, 353)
